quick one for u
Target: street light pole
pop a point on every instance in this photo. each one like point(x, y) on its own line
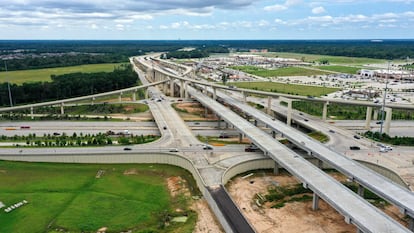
point(383, 100)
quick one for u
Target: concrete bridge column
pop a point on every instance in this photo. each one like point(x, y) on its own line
point(320, 163)
point(244, 97)
point(93, 100)
point(214, 93)
point(269, 105)
point(31, 113)
point(276, 169)
point(120, 97)
point(273, 134)
point(325, 110)
point(410, 223)
point(240, 137)
point(388, 117)
point(227, 125)
point(368, 118)
point(289, 113)
point(315, 202)
point(181, 88)
point(255, 122)
point(165, 88)
point(218, 121)
point(186, 89)
point(134, 95)
point(146, 93)
point(361, 190)
point(375, 114)
point(62, 110)
point(171, 87)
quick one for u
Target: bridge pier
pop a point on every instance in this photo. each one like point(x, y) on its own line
point(320, 163)
point(240, 137)
point(325, 110)
point(361, 190)
point(31, 113)
point(388, 117)
point(289, 113)
point(375, 114)
point(214, 93)
point(62, 110)
point(244, 97)
point(93, 100)
point(181, 89)
point(269, 105)
point(368, 118)
point(410, 223)
point(146, 94)
point(255, 122)
point(276, 169)
point(171, 87)
point(273, 134)
point(134, 95)
point(315, 202)
point(186, 89)
point(120, 97)
point(218, 121)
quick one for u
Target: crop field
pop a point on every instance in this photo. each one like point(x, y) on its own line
point(85, 198)
point(288, 71)
point(292, 89)
point(332, 59)
point(35, 75)
point(340, 69)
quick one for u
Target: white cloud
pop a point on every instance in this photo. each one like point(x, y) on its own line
point(318, 10)
point(282, 7)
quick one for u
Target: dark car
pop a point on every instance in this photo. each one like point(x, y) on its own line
point(357, 137)
point(127, 148)
point(354, 147)
point(251, 148)
point(207, 147)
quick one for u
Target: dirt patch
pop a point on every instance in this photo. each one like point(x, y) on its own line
point(194, 111)
point(206, 222)
point(131, 171)
point(3, 171)
point(293, 217)
point(177, 185)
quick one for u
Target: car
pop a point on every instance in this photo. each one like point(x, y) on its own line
point(127, 148)
point(301, 114)
point(357, 137)
point(196, 123)
point(251, 148)
point(207, 147)
point(331, 131)
point(305, 119)
point(354, 148)
point(383, 150)
point(165, 127)
point(173, 150)
point(378, 122)
point(56, 134)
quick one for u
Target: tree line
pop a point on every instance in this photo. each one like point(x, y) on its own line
point(68, 86)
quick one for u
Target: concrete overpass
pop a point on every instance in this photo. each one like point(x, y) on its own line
point(405, 203)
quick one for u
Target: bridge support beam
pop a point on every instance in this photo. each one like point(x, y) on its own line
point(289, 113)
point(31, 113)
point(273, 134)
point(269, 105)
point(325, 110)
point(320, 164)
point(218, 121)
point(181, 88)
point(146, 93)
point(255, 122)
point(388, 117)
point(171, 87)
point(93, 100)
point(368, 118)
point(361, 190)
point(62, 109)
point(240, 137)
point(214, 93)
point(244, 97)
point(134, 95)
point(276, 169)
point(375, 114)
point(315, 202)
point(410, 223)
point(120, 97)
point(186, 89)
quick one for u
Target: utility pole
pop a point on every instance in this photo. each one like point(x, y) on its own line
point(383, 100)
point(8, 86)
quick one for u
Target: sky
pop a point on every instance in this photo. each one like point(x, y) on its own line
point(206, 19)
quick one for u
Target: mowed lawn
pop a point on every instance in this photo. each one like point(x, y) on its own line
point(71, 197)
point(292, 89)
point(340, 69)
point(21, 76)
point(287, 71)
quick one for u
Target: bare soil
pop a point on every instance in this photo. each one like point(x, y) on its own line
point(293, 217)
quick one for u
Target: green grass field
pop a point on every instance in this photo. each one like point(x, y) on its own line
point(340, 69)
point(331, 59)
point(69, 197)
point(21, 76)
point(292, 89)
point(288, 71)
